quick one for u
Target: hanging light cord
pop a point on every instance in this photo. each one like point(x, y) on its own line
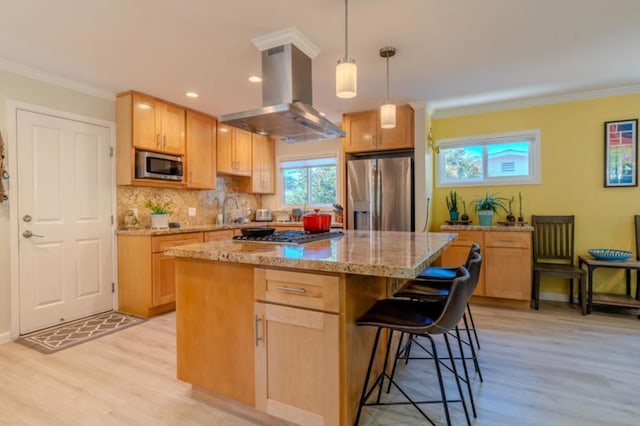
point(346, 29)
point(387, 78)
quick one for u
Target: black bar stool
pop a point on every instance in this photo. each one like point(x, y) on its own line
point(423, 319)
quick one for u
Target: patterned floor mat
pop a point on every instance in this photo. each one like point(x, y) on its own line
point(73, 333)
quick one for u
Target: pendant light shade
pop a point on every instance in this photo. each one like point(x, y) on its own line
point(387, 110)
point(388, 116)
point(346, 71)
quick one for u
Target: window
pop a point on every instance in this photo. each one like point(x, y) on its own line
point(500, 159)
point(310, 182)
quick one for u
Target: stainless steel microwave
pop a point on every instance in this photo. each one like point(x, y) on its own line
point(152, 165)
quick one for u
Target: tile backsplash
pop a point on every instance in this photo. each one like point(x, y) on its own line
point(208, 203)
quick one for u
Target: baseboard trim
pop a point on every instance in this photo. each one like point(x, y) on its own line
point(5, 337)
point(556, 297)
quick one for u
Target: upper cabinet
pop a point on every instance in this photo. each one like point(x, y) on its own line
point(201, 151)
point(262, 179)
point(157, 125)
point(365, 134)
point(234, 151)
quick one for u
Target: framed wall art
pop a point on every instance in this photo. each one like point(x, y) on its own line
point(621, 153)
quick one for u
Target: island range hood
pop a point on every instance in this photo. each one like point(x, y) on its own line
point(287, 113)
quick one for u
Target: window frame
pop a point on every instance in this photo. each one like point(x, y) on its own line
point(535, 147)
point(314, 156)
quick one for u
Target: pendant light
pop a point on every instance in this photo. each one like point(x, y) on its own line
point(387, 110)
point(346, 71)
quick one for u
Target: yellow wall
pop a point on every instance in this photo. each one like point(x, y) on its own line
point(572, 161)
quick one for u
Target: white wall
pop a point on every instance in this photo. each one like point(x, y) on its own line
point(14, 87)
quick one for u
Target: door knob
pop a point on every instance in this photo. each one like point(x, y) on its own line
point(27, 218)
point(29, 234)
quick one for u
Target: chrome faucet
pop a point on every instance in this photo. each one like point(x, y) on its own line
point(224, 208)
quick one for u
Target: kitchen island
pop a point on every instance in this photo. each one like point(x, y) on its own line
point(269, 329)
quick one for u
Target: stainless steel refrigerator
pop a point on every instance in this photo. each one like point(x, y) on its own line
point(380, 194)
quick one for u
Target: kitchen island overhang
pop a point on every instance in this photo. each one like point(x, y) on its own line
point(270, 329)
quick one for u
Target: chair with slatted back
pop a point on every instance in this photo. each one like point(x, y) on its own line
point(553, 255)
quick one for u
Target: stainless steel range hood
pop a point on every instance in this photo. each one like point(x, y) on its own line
point(286, 98)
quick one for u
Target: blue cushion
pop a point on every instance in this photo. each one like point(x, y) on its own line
point(435, 272)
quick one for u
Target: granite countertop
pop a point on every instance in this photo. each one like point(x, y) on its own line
point(375, 253)
point(206, 228)
point(507, 228)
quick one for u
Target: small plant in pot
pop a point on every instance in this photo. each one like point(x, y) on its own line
point(159, 213)
point(510, 216)
point(452, 205)
point(486, 206)
point(465, 216)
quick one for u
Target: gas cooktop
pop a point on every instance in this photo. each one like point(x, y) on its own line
point(290, 237)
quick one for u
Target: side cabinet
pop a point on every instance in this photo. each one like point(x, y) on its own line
point(146, 276)
point(297, 354)
point(506, 261)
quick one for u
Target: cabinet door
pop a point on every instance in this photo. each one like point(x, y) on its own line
point(297, 364)
point(172, 118)
point(361, 129)
point(242, 152)
point(224, 149)
point(201, 151)
point(507, 264)
point(400, 136)
point(263, 165)
point(163, 287)
point(145, 135)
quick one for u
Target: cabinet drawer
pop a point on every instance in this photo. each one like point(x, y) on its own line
point(508, 239)
point(312, 291)
point(466, 238)
point(218, 235)
point(159, 244)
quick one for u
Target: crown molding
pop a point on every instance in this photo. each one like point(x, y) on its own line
point(529, 102)
point(56, 80)
point(286, 36)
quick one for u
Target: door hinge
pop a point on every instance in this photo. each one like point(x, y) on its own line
point(110, 151)
point(112, 219)
point(113, 287)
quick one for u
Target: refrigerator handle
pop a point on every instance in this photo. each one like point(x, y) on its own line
point(379, 198)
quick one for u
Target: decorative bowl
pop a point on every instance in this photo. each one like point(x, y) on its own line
point(610, 254)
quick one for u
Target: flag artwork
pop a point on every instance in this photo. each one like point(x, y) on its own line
point(621, 155)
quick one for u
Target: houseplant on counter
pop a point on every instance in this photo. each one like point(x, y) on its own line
point(486, 207)
point(159, 213)
point(452, 205)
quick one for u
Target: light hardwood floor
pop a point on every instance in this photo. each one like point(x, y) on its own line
point(547, 367)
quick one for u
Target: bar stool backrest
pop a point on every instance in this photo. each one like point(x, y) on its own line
point(637, 220)
point(462, 288)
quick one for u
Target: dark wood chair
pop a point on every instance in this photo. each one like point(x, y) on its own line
point(553, 255)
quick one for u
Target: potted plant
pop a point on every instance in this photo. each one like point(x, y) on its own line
point(486, 206)
point(465, 216)
point(510, 217)
point(520, 215)
point(159, 213)
point(452, 205)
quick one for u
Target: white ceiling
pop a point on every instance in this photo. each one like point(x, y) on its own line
point(450, 53)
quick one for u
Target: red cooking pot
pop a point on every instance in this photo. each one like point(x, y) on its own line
point(316, 222)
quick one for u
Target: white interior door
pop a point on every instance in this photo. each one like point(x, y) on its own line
point(64, 213)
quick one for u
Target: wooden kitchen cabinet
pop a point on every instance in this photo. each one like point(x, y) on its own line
point(365, 134)
point(506, 261)
point(201, 150)
point(262, 179)
point(297, 336)
point(233, 151)
point(146, 281)
point(508, 265)
point(219, 235)
point(157, 125)
point(146, 123)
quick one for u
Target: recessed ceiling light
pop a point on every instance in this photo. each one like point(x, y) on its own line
point(144, 105)
point(191, 95)
point(322, 113)
point(255, 79)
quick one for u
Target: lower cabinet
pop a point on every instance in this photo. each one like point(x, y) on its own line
point(297, 353)
point(506, 261)
point(146, 276)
